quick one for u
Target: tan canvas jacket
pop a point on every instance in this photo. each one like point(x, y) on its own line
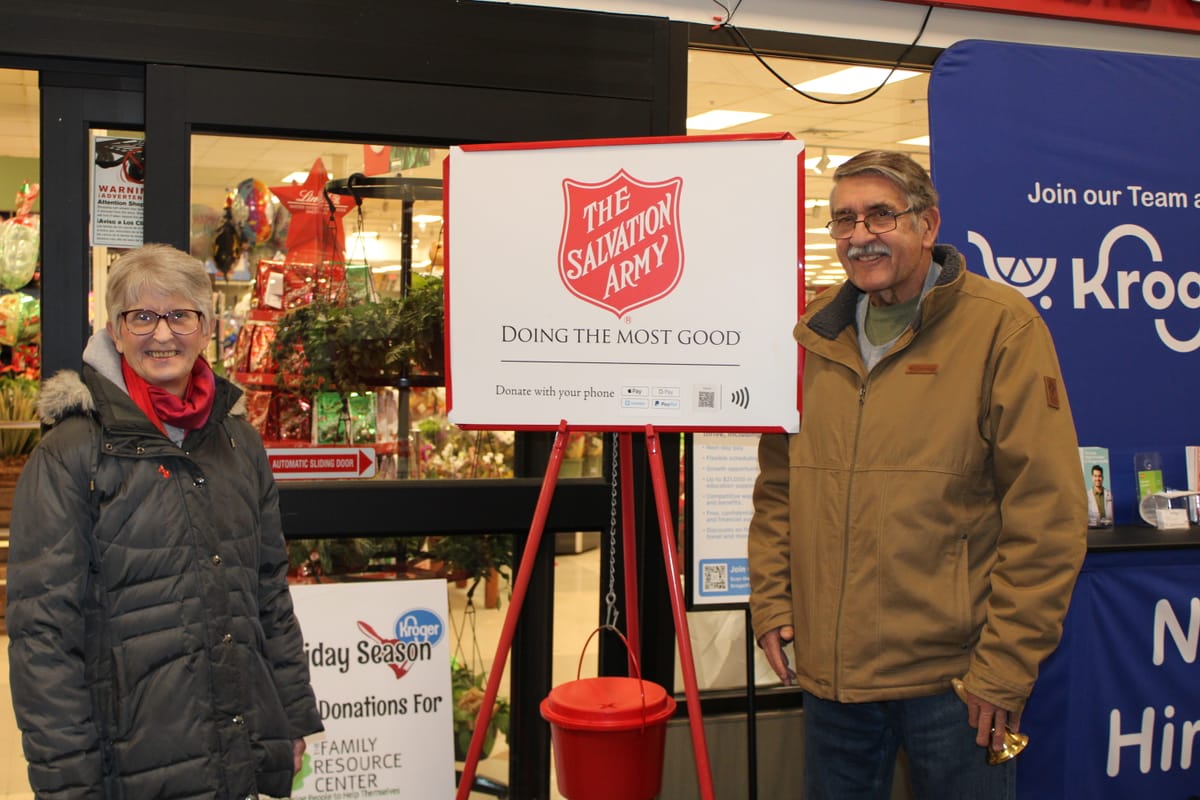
point(929, 519)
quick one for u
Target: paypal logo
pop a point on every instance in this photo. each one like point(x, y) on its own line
point(1103, 286)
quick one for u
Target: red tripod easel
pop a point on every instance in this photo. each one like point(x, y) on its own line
point(521, 584)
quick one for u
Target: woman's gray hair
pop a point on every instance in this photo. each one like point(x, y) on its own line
point(157, 268)
point(900, 169)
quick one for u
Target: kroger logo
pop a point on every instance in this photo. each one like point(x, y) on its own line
point(420, 625)
point(1102, 286)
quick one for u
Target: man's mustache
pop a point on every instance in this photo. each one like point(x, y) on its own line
point(873, 249)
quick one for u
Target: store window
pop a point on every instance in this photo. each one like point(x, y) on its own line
point(20, 280)
point(328, 263)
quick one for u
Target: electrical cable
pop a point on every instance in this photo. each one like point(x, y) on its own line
point(727, 22)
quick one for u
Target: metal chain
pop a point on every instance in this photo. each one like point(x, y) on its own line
point(610, 599)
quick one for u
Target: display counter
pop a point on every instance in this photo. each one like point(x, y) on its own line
point(1140, 537)
point(1115, 712)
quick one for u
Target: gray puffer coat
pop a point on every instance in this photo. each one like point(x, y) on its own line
point(153, 648)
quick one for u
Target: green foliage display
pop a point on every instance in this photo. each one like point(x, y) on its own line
point(467, 690)
point(469, 558)
point(476, 556)
point(351, 347)
point(18, 403)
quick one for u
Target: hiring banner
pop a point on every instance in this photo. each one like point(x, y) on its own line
point(622, 283)
point(1070, 175)
point(379, 658)
point(1115, 712)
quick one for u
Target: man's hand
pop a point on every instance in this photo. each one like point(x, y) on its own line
point(772, 643)
point(989, 721)
point(298, 747)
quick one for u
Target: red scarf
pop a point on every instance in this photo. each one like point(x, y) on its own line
point(188, 413)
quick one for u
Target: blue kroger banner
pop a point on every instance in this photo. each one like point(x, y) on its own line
point(1074, 176)
point(1116, 712)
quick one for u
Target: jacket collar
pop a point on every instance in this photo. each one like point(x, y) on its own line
point(829, 318)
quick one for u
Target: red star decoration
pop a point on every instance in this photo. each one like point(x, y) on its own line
point(310, 238)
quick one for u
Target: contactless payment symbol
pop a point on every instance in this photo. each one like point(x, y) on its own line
point(621, 246)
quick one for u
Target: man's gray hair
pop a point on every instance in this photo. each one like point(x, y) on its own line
point(900, 169)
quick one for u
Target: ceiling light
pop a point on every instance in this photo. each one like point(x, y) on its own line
point(821, 245)
point(817, 231)
point(854, 80)
point(721, 119)
point(811, 203)
point(808, 258)
point(916, 141)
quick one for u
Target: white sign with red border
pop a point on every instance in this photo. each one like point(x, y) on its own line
point(317, 463)
point(619, 283)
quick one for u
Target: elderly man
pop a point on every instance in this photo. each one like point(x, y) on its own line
point(926, 524)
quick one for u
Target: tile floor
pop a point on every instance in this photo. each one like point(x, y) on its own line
point(577, 579)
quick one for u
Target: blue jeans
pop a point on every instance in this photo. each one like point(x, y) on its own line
point(850, 751)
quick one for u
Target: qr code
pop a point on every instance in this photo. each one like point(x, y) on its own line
point(716, 577)
point(706, 398)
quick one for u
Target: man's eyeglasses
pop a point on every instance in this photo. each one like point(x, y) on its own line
point(143, 321)
point(881, 220)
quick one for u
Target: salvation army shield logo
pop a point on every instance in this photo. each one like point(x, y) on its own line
point(621, 246)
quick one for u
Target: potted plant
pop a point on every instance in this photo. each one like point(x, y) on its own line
point(326, 345)
point(18, 403)
point(317, 560)
point(467, 690)
point(422, 322)
point(486, 558)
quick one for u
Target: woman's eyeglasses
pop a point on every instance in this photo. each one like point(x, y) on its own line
point(143, 321)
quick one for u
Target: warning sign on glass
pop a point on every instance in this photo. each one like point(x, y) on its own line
point(118, 172)
point(619, 283)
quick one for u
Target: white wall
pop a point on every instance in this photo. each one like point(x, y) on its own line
point(885, 21)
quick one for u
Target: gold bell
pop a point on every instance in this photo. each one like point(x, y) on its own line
point(1014, 742)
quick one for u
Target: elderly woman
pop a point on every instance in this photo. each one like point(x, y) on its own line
point(154, 652)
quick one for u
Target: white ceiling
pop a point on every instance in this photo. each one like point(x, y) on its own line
point(715, 80)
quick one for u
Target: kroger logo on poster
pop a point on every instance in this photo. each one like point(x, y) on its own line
point(621, 246)
point(1100, 284)
point(420, 626)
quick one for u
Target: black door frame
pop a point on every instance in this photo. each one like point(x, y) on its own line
point(639, 93)
point(75, 98)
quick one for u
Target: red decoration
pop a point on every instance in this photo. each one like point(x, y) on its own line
point(315, 234)
point(377, 159)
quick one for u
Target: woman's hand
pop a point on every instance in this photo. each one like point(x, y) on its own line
point(298, 748)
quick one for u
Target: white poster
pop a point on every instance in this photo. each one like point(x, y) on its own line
point(118, 172)
point(617, 284)
point(724, 468)
point(379, 657)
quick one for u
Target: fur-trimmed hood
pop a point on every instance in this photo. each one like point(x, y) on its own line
point(63, 395)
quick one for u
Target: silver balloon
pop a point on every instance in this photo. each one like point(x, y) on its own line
point(19, 242)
